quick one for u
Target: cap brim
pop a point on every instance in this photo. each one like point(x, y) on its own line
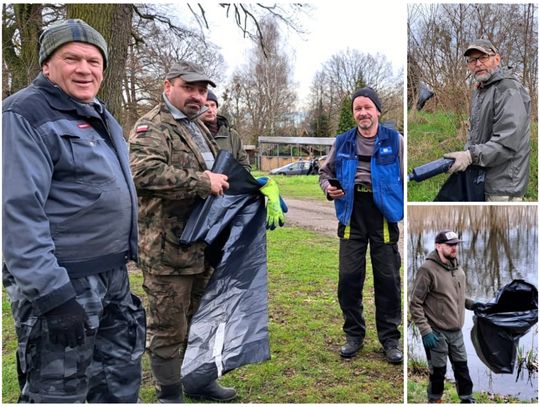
point(478, 48)
point(194, 77)
point(453, 241)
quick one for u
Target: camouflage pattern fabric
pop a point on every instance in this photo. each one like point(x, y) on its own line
point(172, 301)
point(167, 169)
point(106, 368)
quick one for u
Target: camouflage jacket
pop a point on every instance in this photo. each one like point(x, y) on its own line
point(167, 168)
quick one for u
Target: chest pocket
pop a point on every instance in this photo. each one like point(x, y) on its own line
point(181, 155)
point(385, 155)
point(93, 159)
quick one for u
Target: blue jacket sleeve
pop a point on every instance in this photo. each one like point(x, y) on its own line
point(27, 245)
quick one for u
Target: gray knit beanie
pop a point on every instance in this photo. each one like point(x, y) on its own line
point(73, 30)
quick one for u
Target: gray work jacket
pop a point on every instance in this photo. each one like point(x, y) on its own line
point(499, 133)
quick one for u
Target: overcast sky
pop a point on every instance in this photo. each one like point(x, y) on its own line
point(368, 26)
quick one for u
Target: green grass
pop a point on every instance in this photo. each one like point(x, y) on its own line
point(296, 186)
point(417, 393)
point(305, 335)
point(430, 135)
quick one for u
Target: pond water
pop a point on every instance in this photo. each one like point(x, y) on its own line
point(500, 245)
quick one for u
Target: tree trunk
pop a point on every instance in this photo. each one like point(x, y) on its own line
point(20, 67)
point(113, 21)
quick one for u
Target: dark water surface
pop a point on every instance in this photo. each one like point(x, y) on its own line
point(500, 245)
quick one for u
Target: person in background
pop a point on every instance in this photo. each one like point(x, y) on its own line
point(225, 137)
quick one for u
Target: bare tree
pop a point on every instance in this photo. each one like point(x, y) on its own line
point(345, 72)
point(439, 33)
point(260, 91)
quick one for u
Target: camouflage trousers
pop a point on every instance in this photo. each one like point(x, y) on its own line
point(106, 368)
point(172, 302)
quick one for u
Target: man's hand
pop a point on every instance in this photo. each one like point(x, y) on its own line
point(462, 160)
point(335, 192)
point(67, 324)
point(430, 340)
point(218, 183)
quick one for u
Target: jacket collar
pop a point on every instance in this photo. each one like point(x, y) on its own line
point(434, 256)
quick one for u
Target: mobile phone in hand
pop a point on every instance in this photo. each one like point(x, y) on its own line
point(335, 183)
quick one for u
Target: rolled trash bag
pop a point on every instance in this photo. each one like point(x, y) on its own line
point(430, 169)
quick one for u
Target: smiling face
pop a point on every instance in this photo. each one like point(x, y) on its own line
point(366, 115)
point(481, 65)
point(77, 68)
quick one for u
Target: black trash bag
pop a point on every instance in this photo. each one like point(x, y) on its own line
point(464, 186)
point(424, 94)
point(498, 325)
point(230, 328)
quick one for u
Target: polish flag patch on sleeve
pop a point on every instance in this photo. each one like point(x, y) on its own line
point(142, 128)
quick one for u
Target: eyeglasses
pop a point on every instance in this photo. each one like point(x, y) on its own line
point(482, 58)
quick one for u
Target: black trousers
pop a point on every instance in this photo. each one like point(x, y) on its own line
point(369, 228)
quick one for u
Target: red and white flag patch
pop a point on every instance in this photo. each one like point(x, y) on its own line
point(83, 126)
point(142, 128)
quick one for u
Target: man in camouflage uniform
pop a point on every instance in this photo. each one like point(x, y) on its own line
point(171, 152)
point(225, 137)
point(69, 227)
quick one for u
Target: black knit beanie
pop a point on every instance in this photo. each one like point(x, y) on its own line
point(368, 93)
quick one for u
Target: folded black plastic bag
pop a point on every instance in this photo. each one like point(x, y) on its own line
point(498, 325)
point(464, 186)
point(230, 328)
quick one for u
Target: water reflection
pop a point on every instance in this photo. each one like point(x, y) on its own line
point(500, 245)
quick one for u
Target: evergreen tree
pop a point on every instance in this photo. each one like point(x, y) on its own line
point(346, 119)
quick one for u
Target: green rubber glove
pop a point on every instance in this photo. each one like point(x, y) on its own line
point(274, 211)
point(430, 340)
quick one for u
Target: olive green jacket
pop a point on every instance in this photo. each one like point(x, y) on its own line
point(438, 296)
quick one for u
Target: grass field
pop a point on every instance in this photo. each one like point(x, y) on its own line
point(305, 335)
point(430, 135)
point(297, 186)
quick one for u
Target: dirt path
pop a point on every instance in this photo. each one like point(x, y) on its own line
point(319, 216)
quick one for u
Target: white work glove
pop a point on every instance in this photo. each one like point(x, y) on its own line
point(462, 160)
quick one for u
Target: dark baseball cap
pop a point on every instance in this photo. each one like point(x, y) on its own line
point(448, 237)
point(481, 45)
point(189, 72)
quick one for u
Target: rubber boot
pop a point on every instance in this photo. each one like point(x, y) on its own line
point(212, 391)
point(170, 393)
point(166, 372)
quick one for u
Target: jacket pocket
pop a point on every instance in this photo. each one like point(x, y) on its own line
point(92, 157)
point(180, 256)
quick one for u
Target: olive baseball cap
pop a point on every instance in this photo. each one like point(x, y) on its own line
point(189, 72)
point(71, 30)
point(481, 45)
point(448, 237)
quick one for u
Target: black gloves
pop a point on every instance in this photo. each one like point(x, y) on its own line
point(67, 324)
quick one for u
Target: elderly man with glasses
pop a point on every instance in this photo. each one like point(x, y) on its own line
point(498, 138)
